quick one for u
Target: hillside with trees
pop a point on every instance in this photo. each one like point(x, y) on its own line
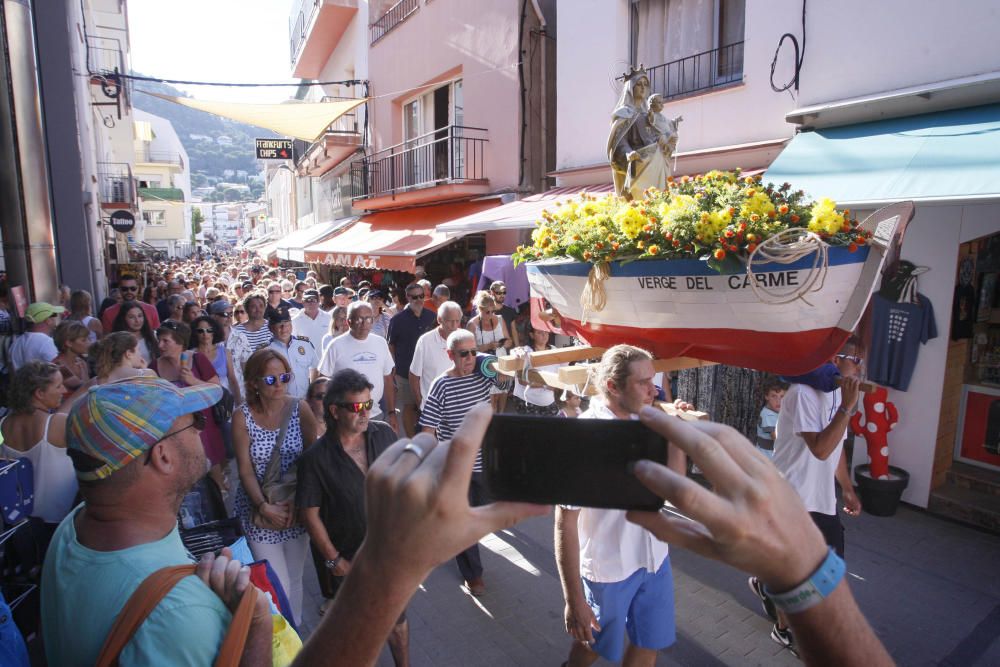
point(212, 162)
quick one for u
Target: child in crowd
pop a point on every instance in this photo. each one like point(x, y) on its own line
point(774, 391)
point(570, 404)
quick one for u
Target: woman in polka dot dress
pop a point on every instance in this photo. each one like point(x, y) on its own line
point(255, 430)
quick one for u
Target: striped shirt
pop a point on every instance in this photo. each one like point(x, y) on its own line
point(450, 398)
point(258, 339)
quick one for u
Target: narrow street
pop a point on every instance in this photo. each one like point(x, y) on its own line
point(925, 610)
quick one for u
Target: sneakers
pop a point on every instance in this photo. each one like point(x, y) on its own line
point(783, 636)
point(765, 602)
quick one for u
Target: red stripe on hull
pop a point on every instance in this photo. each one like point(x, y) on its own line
point(783, 353)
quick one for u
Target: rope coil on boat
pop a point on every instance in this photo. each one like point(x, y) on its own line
point(788, 247)
point(594, 298)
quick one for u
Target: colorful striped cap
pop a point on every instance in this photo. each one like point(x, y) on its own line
point(118, 422)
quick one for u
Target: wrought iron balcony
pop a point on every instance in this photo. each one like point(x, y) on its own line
point(346, 124)
point(698, 73)
point(449, 155)
point(117, 186)
point(301, 16)
point(395, 15)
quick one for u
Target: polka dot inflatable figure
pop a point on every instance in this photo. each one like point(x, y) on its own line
point(879, 417)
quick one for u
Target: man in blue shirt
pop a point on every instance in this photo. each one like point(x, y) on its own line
point(405, 328)
point(136, 450)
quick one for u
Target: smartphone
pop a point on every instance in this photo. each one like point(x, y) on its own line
point(581, 462)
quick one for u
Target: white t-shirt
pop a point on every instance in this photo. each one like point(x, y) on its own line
point(807, 410)
point(370, 357)
point(32, 346)
point(430, 359)
point(313, 329)
point(612, 548)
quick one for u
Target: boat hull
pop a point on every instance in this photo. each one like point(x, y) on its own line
point(684, 308)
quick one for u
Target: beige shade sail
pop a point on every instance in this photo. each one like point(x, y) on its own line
point(300, 120)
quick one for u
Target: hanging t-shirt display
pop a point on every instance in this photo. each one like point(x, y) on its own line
point(898, 330)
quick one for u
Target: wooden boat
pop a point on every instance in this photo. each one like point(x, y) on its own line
point(685, 308)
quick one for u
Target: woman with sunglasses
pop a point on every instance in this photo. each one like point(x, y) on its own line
point(317, 389)
point(491, 337)
point(132, 318)
point(208, 339)
point(184, 369)
point(255, 433)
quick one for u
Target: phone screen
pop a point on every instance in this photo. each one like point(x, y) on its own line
point(582, 462)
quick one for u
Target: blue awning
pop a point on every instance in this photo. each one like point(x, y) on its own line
point(931, 157)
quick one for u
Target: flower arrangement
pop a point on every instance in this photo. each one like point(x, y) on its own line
point(719, 217)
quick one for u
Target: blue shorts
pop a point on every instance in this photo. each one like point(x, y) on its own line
point(642, 605)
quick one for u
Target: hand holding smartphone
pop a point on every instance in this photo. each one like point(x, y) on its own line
point(582, 462)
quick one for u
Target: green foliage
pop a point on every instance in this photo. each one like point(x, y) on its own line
point(209, 158)
point(196, 219)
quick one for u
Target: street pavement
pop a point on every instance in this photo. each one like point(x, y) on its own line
point(929, 587)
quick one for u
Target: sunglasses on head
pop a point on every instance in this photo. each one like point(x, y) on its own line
point(462, 354)
point(356, 407)
point(271, 380)
point(854, 359)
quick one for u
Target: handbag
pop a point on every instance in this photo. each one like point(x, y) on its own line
point(223, 410)
point(144, 600)
point(276, 487)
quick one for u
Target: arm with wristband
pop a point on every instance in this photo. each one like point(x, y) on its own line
point(755, 521)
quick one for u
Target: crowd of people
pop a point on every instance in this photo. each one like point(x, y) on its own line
point(320, 411)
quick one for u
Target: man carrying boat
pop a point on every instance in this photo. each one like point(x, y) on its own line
point(616, 577)
point(809, 451)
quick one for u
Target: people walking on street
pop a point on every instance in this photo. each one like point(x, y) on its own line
point(128, 287)
point(132, 318)
point(136, 453)
point(256, 327)
point(272, 528)
point(300, 353)
point(36, 343)
point(430, 357)
point(492, 337)
point(331, 488)
point(81, 309)
point(405, 328)
point(616, 577)
point(311, 323)
point(367, 354)
point(72, 339)
point(116, 358)
point(450, 398)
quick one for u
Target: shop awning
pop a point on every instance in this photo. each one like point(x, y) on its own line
point(393, 240)
point(300, 120)
point(253, 243)
point(293, 246)
point(932, 157)
point(267, 250)
point(520, 214)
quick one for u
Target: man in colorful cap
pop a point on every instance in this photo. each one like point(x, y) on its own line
point(136, 451)
point(36, 343)
point(301, 354)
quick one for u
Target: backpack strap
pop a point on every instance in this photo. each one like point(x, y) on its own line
point(145, 599)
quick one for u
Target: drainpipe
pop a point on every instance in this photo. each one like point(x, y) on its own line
point(544, 100)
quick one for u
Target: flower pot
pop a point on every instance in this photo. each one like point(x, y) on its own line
point(880, 497)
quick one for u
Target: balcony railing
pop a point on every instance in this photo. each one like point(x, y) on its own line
point(694, 74)
point(392, 18)
point(301, 16)
point(166, 157)
point(346, 124)
point(452, 154)
point(117, 186)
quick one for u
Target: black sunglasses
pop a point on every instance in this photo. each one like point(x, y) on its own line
point(462, 354)
point(413, 296)
point(198, 424)
point(357, 406)
point(229, 314)
point(271, 380)
point(204, 331)
point(134, 288)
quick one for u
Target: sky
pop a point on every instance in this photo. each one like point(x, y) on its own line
point(238, 41)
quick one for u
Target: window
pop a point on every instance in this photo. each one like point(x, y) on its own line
point(688, 45)
point(154, 218)
point(429, 122)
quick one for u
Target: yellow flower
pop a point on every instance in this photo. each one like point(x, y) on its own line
point(758, 203)
point(824, 217)
point(630, 221)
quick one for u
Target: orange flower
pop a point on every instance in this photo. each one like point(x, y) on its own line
point(783, 209)
point(615, 245)
point(751, 247)
point(794, 218)
point(677, 244)
point(730, 233)
point(640, 245)
point(719, 254)
point(654, 250)
point(852, 248)
point(754, 217)
point(586, 254)
point(771, 214)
